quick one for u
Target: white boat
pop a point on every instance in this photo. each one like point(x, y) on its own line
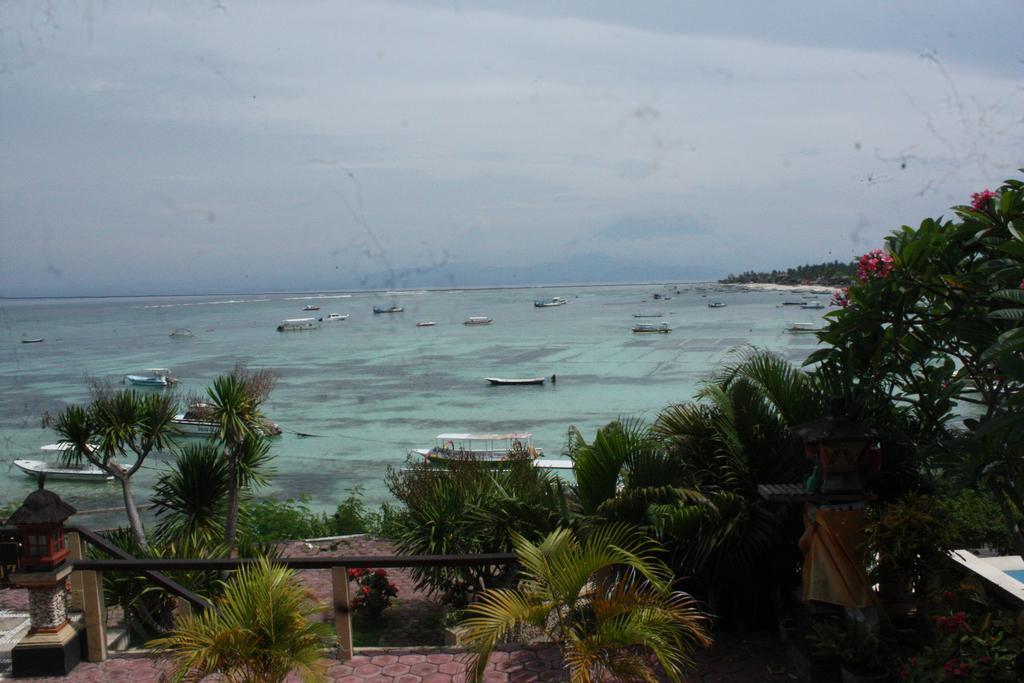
point(152, 377)
point(803, 328)
point(84, 471)
point(501, 381)
point(812, 305)
point(311, 307)
point(297, 324)
point(181, 333)
point(493, 448)
point(663, 328)
point(387, 309)
point(716, 304)
point(196, 421)
point(332, 317)
point(477, 320)
point(426, 323)
point(552, 301)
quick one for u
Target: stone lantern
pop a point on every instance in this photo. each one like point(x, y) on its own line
point(842, 450)
point(51, 647)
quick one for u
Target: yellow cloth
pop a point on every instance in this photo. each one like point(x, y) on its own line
point(833, 548)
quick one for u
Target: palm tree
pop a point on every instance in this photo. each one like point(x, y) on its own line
point(236, 398)
point(606, 601)
point(261, 630)
point(113, 426)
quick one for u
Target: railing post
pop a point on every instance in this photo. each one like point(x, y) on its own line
point(342, 612)
point(74, 542)
point(95, 615)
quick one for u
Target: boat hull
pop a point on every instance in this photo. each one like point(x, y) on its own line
point(34, 468)
point(143, 381)
point(498, 381)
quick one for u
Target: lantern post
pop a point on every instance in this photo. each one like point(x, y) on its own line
point(52, 646)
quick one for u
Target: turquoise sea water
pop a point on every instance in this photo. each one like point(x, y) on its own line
point(373, 386)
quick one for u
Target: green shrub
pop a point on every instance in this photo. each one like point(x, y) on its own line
point(979, 522)
point(287, 520)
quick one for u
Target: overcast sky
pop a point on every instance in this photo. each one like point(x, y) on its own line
point(239, 146)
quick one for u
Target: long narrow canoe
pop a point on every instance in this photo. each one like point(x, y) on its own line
point(500, 381)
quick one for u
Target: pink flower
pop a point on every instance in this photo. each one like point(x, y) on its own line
point(874, 264)
point(841, 298)
point(980, 200)
point(1021, 285)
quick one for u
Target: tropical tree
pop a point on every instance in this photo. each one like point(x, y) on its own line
point(190, 497)
point(733, 438)
point(235, 400)
point(115, 426)
point(262, 628)
point(606, 601)
point(933, 330)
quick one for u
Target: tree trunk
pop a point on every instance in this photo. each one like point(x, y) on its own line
point(231, 524)
point(134, 520)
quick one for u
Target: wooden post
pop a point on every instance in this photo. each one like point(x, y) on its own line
point(75, 600)
point(342, 612)
point(95, 615)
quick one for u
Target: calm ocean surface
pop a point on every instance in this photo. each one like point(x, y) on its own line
point(373, 386)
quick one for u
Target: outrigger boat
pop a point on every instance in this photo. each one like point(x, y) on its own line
point(500, 381)
point(803, 328)
point(491, 448)
point(84, 471)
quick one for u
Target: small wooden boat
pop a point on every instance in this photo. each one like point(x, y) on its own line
point(716, 304)
point(311, 307)
point(426, 323)
point(657, 329)
point(549, 303)
point(648, 315)
point(812, 305)
point(37, 340)
point(477, 320)
point(803, 328)
point(181, 333)
point(387, 309)
point(501, 381)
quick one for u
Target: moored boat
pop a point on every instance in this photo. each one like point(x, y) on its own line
point(311, 307)
point(716, 304)
point(803, 328)
point(502, 381)
point(426, 323)
point(549, 302)
point(648, 315)
point(491, 448)
point(83, 471)
point(663, 328)
point(197, 420)
point(181, 333)
point(298, 324)
point(37, 340)
point(379, 308)
point(812, 305)
point(151, 377)
point(477, 320)
point(333, 317)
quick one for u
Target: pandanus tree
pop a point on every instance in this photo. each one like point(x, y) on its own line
point(235, 400)
point(113, 429)
point(607, 601)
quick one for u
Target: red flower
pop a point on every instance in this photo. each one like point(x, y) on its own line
point(874, 264)
point(366, 590)
point(354, 574)
point(980, 200)
point(841, 298)
point(380, 572)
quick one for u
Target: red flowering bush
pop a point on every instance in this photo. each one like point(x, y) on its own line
point(375, 591)
point(875, 264)
point(980, 200)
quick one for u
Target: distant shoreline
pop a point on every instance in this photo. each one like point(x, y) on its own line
point(381, 290)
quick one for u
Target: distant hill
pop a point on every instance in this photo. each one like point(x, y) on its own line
point(578, 269)
point(834, 273)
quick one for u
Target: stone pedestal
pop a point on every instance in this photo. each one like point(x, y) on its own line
point(52, 646)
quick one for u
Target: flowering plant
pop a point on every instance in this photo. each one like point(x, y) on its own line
point(968, 647)
point(374, 593)
point(841, 297)
point(874, 264)
point(980, 200)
